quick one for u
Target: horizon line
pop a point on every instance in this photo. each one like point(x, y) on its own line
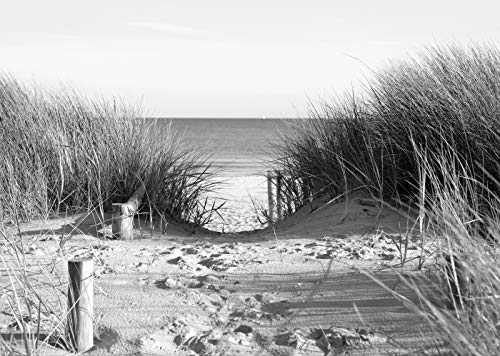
point(223, 118)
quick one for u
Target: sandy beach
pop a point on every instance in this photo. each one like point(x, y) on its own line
point(244, 196)
point(296, 290)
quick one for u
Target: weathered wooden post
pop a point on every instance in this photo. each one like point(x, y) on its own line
point(307, 192)
point(270, 197)
point(279, 204)
point(122, 225)
point(81, 303)
point(122, 222)
point(290, 188)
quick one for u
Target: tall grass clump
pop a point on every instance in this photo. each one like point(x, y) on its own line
point(331, 152)
point(65, 152)
point(34, 297)
point(470, 258)
point(425, 134)
point(461, 299)
point(446, 99)
point(447, 96)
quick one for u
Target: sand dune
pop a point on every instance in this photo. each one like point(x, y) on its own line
point(296, 289)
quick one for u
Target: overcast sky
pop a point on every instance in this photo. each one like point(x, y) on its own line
point(225, 58)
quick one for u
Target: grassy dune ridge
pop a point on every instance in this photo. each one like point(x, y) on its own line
point(65, 152)
point(424, 134)
point(446, 99)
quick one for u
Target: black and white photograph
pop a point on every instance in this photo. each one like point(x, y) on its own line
point(235, 177)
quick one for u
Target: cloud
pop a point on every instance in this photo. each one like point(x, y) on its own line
point(165, 27)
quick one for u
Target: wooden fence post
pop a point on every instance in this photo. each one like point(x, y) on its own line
point(122, 222)
point(290, 189)
point(279, 203)
point(270, 197)
point(81, 303)
point(122, 225)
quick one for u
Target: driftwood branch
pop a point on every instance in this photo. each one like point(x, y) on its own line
point(136, 199)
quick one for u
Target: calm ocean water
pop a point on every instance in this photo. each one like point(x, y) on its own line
point(241, 151)
point(239, 147)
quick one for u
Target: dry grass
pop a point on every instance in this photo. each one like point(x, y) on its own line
point(463, 301)
point(448, 96)
point(62, 152)
point(425, 134)
point(34, 295)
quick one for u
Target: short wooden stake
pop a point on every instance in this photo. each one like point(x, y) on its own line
point(270, 197)
point(289, 207)
point(122, 224)
point(81, 303)
point(279, 204)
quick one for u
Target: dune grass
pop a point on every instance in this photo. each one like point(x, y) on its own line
point(34, 296)
point(469, 263)
point(63, 152)
point(424, 134)
point(448, 96)
point(459, 296)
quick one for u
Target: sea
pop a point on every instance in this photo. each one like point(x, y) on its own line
point(237, 147)
point(240, 151)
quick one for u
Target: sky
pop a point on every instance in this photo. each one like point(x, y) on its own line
point(226, 58)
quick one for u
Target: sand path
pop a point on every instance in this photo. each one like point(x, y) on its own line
point(294, 290)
